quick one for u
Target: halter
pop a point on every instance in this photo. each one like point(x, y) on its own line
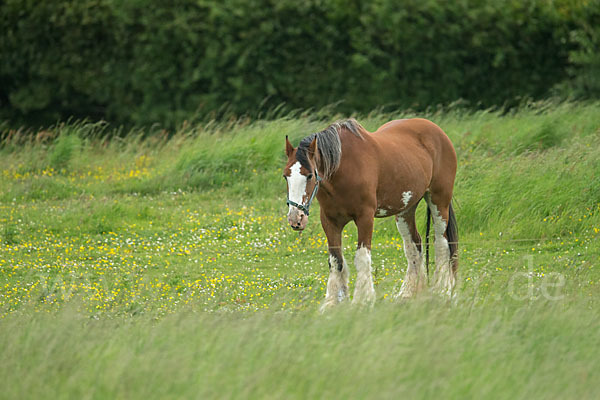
point(312, 196)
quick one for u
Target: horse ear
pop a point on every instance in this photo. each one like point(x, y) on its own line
point(288, 147)
point(312, 147)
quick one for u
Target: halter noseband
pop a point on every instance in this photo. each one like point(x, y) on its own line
point(312, 196)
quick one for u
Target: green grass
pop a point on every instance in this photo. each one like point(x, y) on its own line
point(421, 350)
point(144, 267)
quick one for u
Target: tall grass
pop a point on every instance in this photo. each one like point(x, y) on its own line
point(158, 265)
point(419, 350)
point(501, 157)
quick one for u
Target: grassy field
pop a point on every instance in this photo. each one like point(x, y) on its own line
point(160, 265)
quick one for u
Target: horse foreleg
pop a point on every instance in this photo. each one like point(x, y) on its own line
point(364, 292)
point(337, 284)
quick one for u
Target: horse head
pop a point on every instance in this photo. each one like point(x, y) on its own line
point(302, 179)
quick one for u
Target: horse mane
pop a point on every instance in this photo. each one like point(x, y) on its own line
point(329, 145)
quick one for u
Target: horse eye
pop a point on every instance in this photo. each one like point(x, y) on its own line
point(309, 177)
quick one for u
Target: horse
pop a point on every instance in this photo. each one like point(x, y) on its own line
point(358, 176)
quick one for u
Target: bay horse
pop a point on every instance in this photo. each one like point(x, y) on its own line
point(357, 176)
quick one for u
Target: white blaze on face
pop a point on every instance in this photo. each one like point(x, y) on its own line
point(296, 185)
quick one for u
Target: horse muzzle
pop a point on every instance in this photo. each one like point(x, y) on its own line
point(297, 219)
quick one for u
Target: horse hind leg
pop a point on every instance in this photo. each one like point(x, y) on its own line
point(415, 279)
point(446, 238)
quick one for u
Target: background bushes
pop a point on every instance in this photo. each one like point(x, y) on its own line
point(144, 62)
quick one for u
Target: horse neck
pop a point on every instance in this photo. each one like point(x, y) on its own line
point(349, 149)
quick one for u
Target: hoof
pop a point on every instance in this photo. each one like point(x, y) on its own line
point(411, 288)
point(328, 305)
point(332, 301)
point(367, 299)
point(445, 288)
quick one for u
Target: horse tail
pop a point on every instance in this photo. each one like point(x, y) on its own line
point(452, 236)
point(428, 227)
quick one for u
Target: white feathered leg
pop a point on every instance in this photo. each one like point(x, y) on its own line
point(337, 284)
point(364, 292)
point(416, 278)
point(443, 278)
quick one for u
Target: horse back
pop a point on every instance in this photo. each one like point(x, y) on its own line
point(417, 140)
point(413, 154)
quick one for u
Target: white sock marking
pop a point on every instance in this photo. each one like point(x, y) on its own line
point(415, 278)
point(444, 279)
point(364, 292)
point(337, 284)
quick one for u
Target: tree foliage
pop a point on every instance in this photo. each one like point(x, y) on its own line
point(144, 62)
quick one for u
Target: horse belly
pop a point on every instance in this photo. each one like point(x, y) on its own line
point(396, 201)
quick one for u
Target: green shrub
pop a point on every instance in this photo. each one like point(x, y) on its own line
point(145, 62)
point(584, 58)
